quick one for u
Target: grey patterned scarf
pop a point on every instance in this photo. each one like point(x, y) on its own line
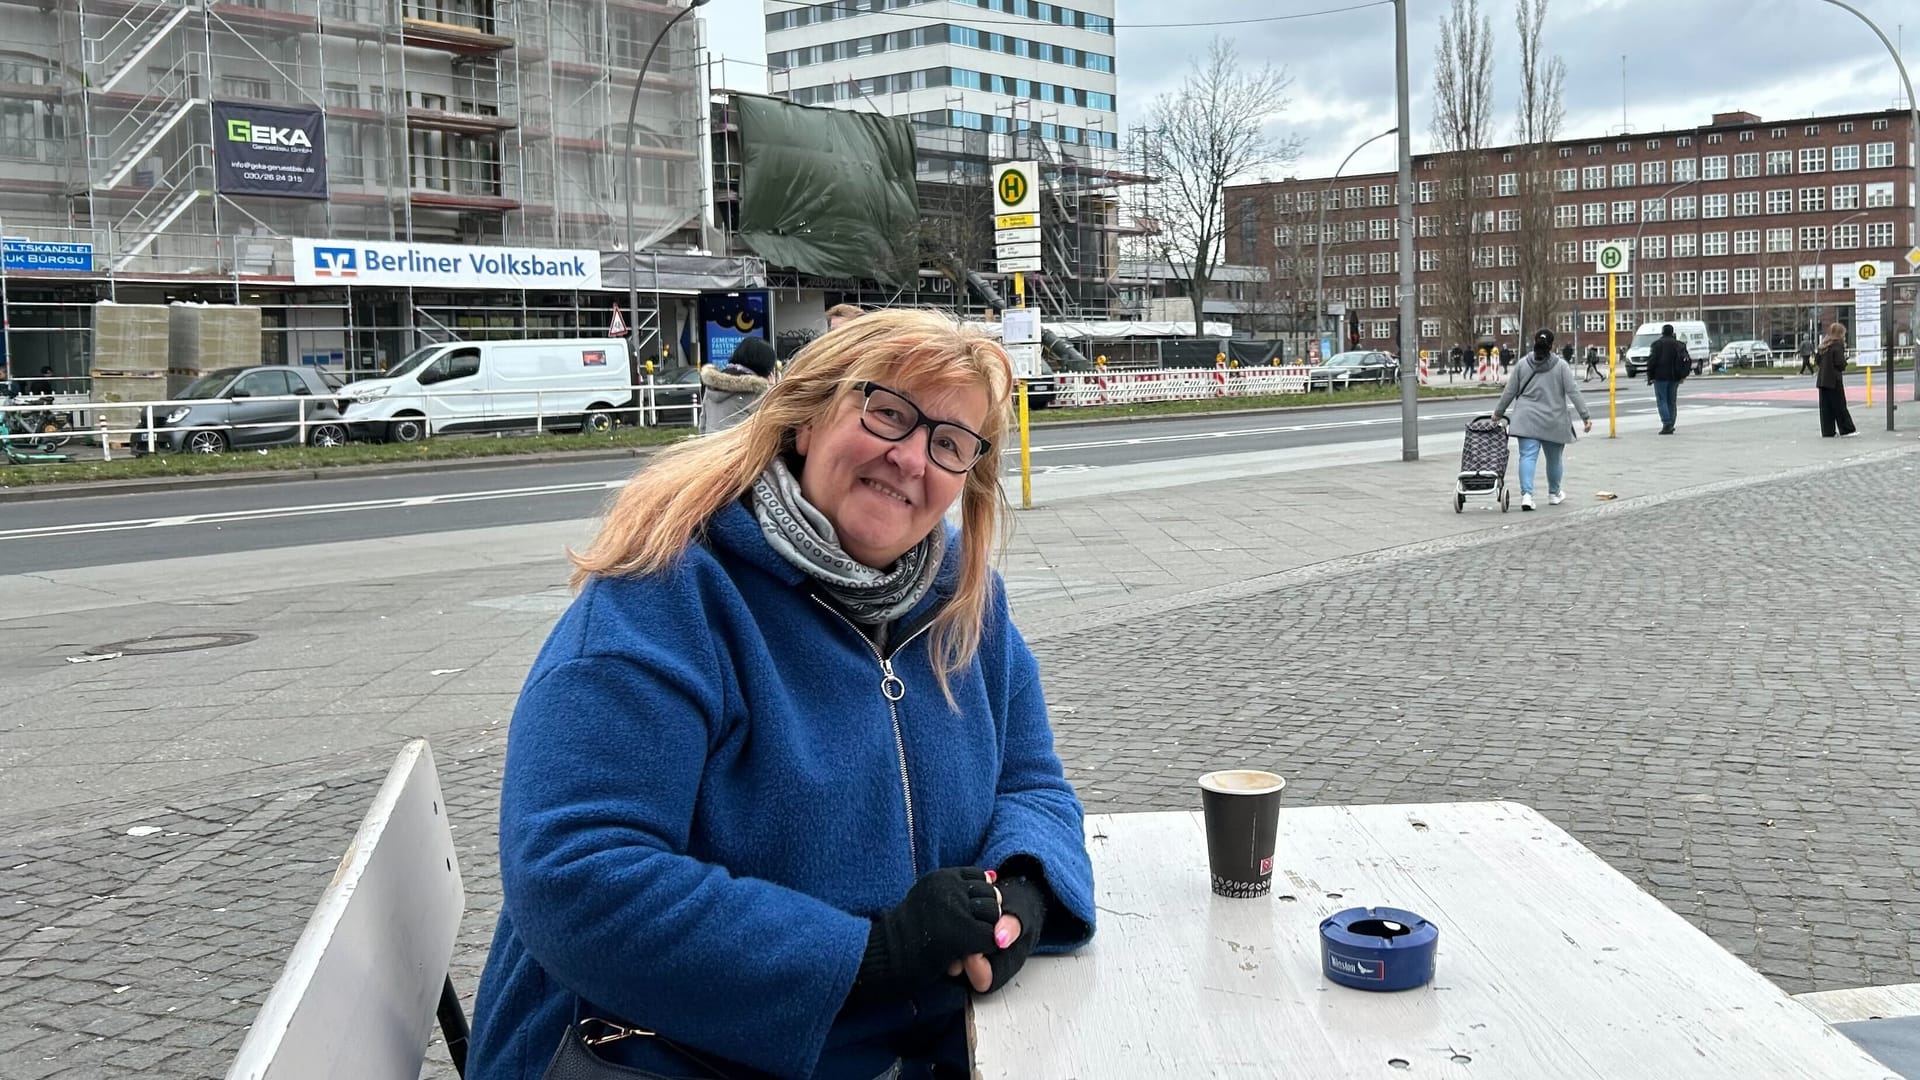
point(804, 537)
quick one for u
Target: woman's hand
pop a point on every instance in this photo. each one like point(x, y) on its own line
point(977, 968)
point(1023, 911)
point(948, 913)
point(1589, 423)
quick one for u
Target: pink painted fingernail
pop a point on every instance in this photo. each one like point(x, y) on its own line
point(992, 877)
point(1003, 937)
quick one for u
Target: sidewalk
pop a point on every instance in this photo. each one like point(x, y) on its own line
point(1338, 622)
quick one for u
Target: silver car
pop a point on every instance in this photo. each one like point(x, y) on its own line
point(248, 407)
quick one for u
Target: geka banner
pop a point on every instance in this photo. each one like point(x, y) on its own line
point(269, 150)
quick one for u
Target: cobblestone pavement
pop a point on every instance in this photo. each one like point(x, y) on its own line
point(1725, 723)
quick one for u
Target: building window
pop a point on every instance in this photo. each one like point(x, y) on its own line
point(1623, 175)
point(1567, 251)
point(1509, 184)
point(1686, 245)
point(1685, 283)
point(1429, 260)
point(1509, 221)
point(1779, 239)
point(1879, 195)
point(1713, 283)
point(1566, 180)
point(1683, 208)
point(1653, 284)
point(1745, 165)
point(1780, 201)
point(1879, 234)
point(1356, 265)
point(1593, 287)
point(1509, 291)
point(1813, 278)
point(1713, 206)
point(1713, 139)
point(1880, 155)
point(1653, 210)
point(1845, 127)
point(1813, 200)
point(1813, 237)
point(1811, 129)
point(1746, 280)
point(1653, 247)
point(1382, 296)
point(1779, 279)
point(1593, 177)
point(1382, 330)
point(1381, 194)
point(1683, 171)
point(1429, 225)
point(1483, 258)
point(1380, 229)
point(1594, 324)
point(1356, 198)
point(1683, 141)
point(1746, 242)
point(1813, 159)
point(1623, 212)
point(1509, 255)
point(1746, 203)
point(1777, 133)
point(1566, 151)
point(1483, 292)
point(1713, 244)
point(1589, 250)
point(1593, 213)
point(1426, 191)
point(1483, 187)
point(1846, 196)
point(1846, 237)
point(1779, 163)
point(1354, 230)
point(1846, 158)
point(239, 86)
point(1566, 216)
point(1879, 125)
point(1380, 262)
point(1429, 328)
point(1653, 172)
point(1595, 150)
point(1713, 168)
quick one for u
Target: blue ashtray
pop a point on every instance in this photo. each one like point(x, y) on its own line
point(1378, 948)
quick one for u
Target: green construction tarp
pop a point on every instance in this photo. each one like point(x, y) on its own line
point(828, 192)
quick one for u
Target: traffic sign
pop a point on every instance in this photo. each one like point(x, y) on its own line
point(1016, 221)
point(1614, 257)
point(617, 326)
point(1020, 326)
point(1016, 236)
point(1017, 251)
point(1026, 361)
point(1008, 266)
point(1866, 275)
point(1913, 258)
point(1016, 187)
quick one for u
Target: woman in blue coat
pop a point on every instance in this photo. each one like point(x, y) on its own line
point(780, 790)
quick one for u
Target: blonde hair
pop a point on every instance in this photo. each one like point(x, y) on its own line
point(665, 508)
point(844, 311)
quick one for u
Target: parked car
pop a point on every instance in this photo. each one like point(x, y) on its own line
point(1367, 365)
point(247, 407)
point(494, 386)
point(1744, 354)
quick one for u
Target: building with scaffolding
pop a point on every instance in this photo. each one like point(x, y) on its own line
point(475, 123)
point(982, 81)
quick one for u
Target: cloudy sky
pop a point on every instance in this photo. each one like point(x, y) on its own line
point(1685, 59)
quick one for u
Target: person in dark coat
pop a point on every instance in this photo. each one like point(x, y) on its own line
point(1594, 364)
point(1835, 417)
point(1667, 367)
point(1806, 357)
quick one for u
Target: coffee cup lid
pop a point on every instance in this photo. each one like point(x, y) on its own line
point(1243, 782)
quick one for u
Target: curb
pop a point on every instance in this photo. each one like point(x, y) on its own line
point(152, 485)
point(1201, 415)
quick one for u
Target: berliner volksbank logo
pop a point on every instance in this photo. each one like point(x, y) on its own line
point(335, 262)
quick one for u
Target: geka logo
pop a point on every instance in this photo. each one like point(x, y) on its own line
point(335, 262)
point(247, 131)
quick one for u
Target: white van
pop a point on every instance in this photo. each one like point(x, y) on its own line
point(1693, 334)
point(569, 383)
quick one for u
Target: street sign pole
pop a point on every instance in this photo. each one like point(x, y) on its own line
point(1613, 374)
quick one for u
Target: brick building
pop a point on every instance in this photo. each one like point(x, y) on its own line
point(1753, 226)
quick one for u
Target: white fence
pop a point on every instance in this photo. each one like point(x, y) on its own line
point(1086, 388)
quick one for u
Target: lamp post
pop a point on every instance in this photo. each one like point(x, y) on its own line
point(1913, 159)
point(1320, 237)
point(633, 267)
point(1821, 261)
point(1409, 329)
point(1635, 309)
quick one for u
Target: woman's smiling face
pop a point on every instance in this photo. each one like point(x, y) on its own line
point(884, 497)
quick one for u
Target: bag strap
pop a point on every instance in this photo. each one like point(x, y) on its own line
point(593, 1031)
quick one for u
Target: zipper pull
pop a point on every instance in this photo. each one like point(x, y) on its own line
point(890, 684)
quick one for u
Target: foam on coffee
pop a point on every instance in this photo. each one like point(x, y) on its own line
point(1243, 782)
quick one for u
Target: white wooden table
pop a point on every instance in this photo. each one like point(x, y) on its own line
point(1551, 966)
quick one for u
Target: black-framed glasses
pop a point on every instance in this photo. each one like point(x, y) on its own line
point(889, 415)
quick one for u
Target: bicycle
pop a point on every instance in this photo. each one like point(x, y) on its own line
point(40, 451)
point(43, 429)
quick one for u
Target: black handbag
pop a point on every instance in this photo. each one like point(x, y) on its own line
point(575, 1058)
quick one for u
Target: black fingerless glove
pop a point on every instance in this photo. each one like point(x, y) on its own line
point(1025, 900)
point(947, 915)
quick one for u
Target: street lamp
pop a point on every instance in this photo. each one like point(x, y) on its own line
point(1913, 159)
point(1320, 237)
point(633, 267)
point(1821, 261)
point(1635, 309)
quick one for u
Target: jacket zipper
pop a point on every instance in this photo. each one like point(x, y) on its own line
point(893, 689)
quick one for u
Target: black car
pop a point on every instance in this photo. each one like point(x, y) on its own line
point(247, 407)
point(674, 393)
point(1346, 368)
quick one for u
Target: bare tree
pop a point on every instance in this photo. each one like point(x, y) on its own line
point(1462, 117)
point(1209, 132)
point(1538, 125)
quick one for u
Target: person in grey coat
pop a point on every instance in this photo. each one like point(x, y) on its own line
point(1534, 407)
point(728, 394)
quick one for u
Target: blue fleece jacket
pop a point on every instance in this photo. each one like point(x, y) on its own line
point(708, 795)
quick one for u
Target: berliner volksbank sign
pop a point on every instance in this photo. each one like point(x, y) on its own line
point(442, 266)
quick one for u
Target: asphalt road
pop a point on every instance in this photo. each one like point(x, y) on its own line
point(110, 530)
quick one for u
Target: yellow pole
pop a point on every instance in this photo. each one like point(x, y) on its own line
point(1869, 387)
point(1613, 362)
point(1019, 289)
point(1026, 458)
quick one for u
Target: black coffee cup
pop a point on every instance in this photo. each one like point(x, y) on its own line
point(1242, 810)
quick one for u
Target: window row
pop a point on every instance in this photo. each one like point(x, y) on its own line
point(940, 34)
point(835, 10)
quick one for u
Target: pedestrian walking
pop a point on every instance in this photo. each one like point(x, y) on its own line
point(1539, 392)
point(1806, 357)
point(701, 822)
point(1835, 417)
point(1593, 363)
point(728, 394)
point(1667, 368)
